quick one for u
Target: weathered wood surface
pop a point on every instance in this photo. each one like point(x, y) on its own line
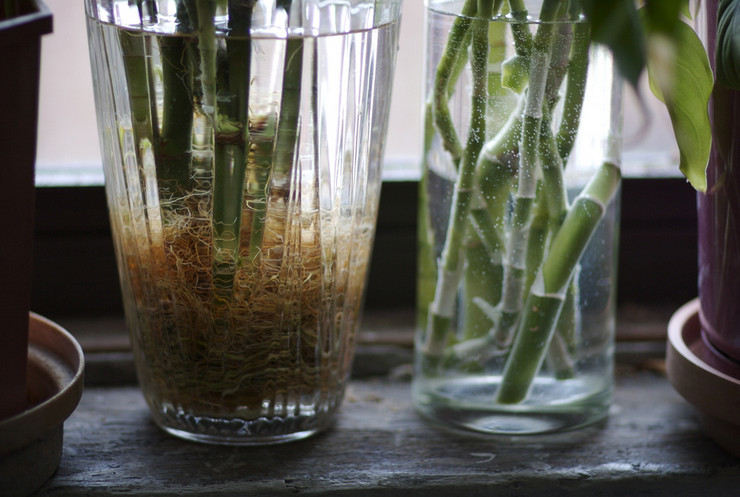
point(652, 444)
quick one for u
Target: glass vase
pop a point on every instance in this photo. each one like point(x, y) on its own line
point(242, 146)
point(518, 220)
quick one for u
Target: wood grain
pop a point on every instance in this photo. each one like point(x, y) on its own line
point(652, 444)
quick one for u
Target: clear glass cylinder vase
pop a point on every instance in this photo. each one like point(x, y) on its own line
point(242, 146)
point(518, 220)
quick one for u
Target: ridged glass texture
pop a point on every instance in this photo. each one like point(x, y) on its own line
point(243, 242)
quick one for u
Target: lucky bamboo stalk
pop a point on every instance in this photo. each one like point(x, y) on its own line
point(575, 89)
point(175, 147)
point(546, 299)
point(231, 146)
point(451, 263)
point(284, 153)
point(515, 267)
point(444, 75)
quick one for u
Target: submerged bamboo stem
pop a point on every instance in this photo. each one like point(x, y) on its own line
point(549, 291)
point(441, 308)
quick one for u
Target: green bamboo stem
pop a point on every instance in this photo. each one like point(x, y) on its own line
point(499, 107)
point(515, 271)
point(553, 183)
point(520, 29)
point(287, 131)
point(450, 267)
point(545, 301)
point(445, 70)
point(483, 273)
point(559, 356)
point(515, 262)
point(426, 279)
point(515, 259)
point(497, 166)
point(495, 176)
point(560, 353)
point(539, 235)
point(554, 186)
point(206, 10)
point(488, 233)
point(539, 70)
point(559, 62)
point(262, 139)
point(231, 144)
point(174, 151)
point(516, 69)
point(476, 276)
point(575, 89)
point(284, 151)
point(140, 168)
point(228, 158)
point(136, 67)
point(483, 249)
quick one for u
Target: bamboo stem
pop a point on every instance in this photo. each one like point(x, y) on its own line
point(426, 279)
point(548, 294)
point(285, 153)
point(515, 261)
point(575, 89)
point(445, 71)
point(136, 67)
point(231, 145)
point(442, 307)
point(174, 151)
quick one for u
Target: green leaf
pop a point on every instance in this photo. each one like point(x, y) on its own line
point(684, 82)
point(615, 23)
point(663, 16)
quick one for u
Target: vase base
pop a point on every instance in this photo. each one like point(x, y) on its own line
point(513, 424)
point(240, 432)
point(255, 440)
point(462, 405)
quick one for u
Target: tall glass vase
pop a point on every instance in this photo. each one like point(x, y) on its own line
point(517, 219)
point(242, 146)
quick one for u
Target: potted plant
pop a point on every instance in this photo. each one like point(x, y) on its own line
point(703, 357)
point(242, 147)
point(519, 200)
point(40, 363)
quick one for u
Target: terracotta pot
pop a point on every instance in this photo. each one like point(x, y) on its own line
point(31, 442)
point(714, 393)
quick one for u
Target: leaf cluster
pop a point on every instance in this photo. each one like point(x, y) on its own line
point(655, 36)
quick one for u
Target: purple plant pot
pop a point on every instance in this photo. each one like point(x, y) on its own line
point(719, 226)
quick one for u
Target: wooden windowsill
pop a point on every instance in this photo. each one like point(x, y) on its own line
point(651, 444)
